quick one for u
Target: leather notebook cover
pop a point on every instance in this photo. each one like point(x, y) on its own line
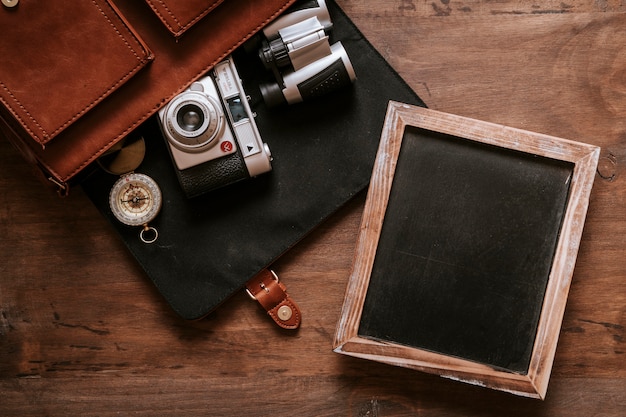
point(323, 151)
point(64, 66)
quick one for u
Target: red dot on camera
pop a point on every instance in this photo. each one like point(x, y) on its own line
point(227, 146)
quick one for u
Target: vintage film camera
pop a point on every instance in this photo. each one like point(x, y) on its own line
point(298, 52)
point(212, 136)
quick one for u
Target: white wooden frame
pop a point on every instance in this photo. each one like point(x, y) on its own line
point(535, 382)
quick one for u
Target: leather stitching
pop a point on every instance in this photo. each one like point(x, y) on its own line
point(43, 135)
point(284, 324)
point(159, 104)
point(181, 27)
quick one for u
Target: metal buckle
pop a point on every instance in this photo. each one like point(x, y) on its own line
point(62, 188)
point(274, 276)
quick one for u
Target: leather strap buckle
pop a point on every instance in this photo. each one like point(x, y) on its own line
point(266, 288)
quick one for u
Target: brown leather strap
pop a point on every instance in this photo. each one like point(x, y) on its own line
point(272, 295)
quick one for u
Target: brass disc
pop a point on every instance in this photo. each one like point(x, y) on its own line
point(124, 157)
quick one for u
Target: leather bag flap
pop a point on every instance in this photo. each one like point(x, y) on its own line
point(178, 16)
point(61, 60)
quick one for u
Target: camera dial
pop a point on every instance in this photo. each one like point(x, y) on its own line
point(194, 120)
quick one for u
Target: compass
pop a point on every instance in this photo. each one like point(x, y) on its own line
point(135, 200)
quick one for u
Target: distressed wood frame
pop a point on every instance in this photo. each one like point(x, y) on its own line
point(535, 382)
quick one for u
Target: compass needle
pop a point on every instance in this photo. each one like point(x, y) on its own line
point(135, 200)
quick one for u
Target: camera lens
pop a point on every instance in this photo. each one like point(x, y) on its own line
point(193, 119)
point(190, 117)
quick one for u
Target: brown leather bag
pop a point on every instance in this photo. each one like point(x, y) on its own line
point(77, 78)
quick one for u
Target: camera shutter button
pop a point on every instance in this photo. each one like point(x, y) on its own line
point(195, 86)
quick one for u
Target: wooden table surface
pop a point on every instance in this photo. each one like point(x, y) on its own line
point(84, 332)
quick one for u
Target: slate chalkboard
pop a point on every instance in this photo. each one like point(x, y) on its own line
point(467, 249)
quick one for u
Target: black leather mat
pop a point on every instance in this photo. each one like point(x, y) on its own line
point(323, 151)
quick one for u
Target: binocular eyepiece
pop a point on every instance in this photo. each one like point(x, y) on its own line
point(298, 52)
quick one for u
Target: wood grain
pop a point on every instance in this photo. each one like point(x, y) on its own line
point(83, 331)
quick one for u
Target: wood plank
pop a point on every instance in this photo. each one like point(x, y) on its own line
point(319, 395)
point(84, 332)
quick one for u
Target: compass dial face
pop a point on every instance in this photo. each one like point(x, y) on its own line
point(135, 199)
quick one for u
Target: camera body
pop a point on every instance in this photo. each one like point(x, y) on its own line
point(298, 51)
point(211, 133)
